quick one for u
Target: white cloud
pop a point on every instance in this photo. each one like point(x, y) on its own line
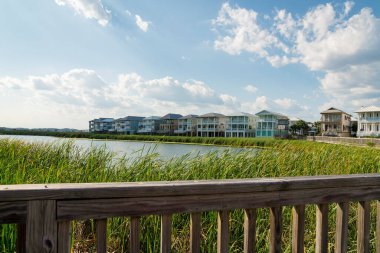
point(91, 9)
point(143, 25)
point(251, 88)
point(342, 47)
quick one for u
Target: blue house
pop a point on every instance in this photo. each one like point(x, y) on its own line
point(272, 124)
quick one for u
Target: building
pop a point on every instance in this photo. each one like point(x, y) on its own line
point(368, 121)
point(128, 125)
point(211, 125)
point(240, 125)
point(169, 123)
point(102, 125)
point(187, 125)
point(335, 122)
point(272, 124)
point(149, 125)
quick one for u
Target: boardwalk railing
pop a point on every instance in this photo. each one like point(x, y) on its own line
point(43, 212)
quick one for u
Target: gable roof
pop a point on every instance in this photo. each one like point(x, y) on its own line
point(211, 115)
point(133, 118)
point(266, 112)
point(237, 114)
point(371, 108)
point(334, 110)
point(171, 116)
point(190, 116)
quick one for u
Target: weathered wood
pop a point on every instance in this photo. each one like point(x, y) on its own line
point(166, 233)
point(101, 235)
point(21, 238)
point(378, 226)
point(64, 237)
point(195, 232)
point(135, 234)
point(250, 230)
point(341, 233)
point(223, 231)
point(298, 229)
point(275, 229)
point(321, 241)
point(203, 187)
point(102, 208)
point(41, 226)
point(13, 212)
point(363, 226)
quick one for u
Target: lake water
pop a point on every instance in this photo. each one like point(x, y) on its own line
point(132, 148)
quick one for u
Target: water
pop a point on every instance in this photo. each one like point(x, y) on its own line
point(132, 148)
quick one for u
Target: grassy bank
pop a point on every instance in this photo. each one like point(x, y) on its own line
point(235, 142)
point(22, 162)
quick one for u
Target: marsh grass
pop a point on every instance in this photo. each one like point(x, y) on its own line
point(63, 162)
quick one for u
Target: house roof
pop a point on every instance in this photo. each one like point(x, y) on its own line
point(334, 110)
point(240, 114)
point(137, 118)
point(103, 120)
point(211, 115)
point(152, 118)
point(171, 116)
point(190, 116)
point(371, 108)
point(266, 112)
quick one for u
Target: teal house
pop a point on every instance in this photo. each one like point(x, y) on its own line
point(272, 124)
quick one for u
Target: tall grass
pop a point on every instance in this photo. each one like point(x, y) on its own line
point(22, 162)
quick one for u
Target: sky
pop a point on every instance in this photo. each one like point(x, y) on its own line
point(65, 62)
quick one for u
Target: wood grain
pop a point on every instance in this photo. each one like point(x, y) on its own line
point(363, 226)
point(298, 229)
point(135, 234)
point(41, 226)
point(21, 238)
point(341, 232)
point(13, 212)
point(275, 229)
point(166, 233)
point(321, 241)
point(101, 235)
point(223, 231)
point(64, 237)
point(195, 232)
point(250, 230)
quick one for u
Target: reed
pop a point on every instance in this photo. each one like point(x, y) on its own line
point(63, 162)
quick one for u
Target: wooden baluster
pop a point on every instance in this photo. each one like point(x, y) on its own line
point(341, 232)
point(195, 232)
point(64, 236)
point(298, 229)
point(135, 234)
point(275, 229)
point(21, 238)
point(101, 235)
point(250, 230)
point(223, 231)
point(166, 233)
point(363, 226)
point(321, 244)
point(41, 226)
point(378, 226)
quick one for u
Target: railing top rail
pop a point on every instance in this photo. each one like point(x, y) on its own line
point(74, 191)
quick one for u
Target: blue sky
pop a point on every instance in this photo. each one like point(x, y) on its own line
point(64, 62)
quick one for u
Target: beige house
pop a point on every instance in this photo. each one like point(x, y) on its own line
point(211, 125)
point(335, 122)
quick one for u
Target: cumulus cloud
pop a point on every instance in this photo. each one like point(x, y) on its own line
point(251, 88)
point(91, 9)
point(143, 25)
point(342, 47)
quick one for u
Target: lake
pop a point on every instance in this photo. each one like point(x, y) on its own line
point(132, 148)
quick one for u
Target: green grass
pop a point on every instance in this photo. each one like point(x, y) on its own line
point(235, 142)
point(22, 162)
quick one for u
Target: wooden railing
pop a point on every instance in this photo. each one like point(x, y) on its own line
point(44, 212)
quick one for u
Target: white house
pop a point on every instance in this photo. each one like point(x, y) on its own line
point(368, 121)
point(240, 125)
